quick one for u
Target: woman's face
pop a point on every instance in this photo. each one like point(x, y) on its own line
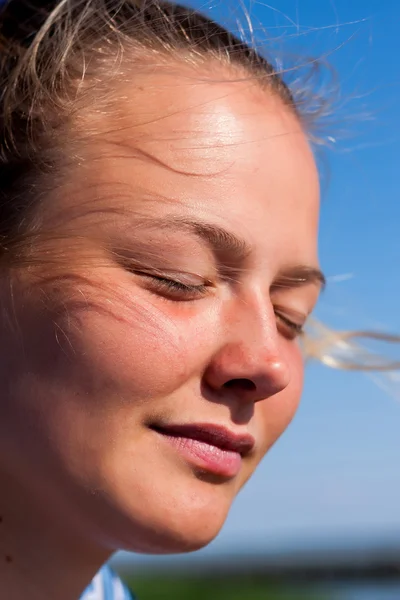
point(157, 356)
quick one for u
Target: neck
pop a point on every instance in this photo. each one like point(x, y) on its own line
point(42, 555)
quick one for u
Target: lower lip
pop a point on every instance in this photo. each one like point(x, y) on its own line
point(206, 457)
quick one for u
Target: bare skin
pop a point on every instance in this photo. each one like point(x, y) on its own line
point(108, 350)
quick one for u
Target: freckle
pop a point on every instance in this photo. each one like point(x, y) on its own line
point(1, 520)
point(8, 558)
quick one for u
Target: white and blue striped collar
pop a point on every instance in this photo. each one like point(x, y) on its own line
point(106, 586)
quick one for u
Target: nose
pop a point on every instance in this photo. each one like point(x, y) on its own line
point(249, 363)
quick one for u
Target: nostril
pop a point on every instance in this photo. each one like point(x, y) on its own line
point(240, 384)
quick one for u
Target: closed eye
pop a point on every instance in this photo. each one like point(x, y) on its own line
point(174, 289)
point(287, 327)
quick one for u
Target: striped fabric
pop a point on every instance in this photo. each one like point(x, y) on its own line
point(106, 586)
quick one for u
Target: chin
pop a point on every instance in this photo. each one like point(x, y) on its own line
point(176, 542)
point(168, 538)
point(172, 524)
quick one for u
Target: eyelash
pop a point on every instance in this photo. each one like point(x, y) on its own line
point(178, 291)
point(290, 329)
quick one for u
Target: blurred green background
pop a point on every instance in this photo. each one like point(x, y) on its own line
point(222, 588)
point(347, 574)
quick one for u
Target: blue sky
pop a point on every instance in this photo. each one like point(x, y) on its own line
point(335, 474)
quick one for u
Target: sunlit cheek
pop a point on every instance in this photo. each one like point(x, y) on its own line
point(274, 414)
point(145, 348)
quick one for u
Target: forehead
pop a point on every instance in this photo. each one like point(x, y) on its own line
point(226, 149)
point(189, 120)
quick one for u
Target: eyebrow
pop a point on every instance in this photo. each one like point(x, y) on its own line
point(299, 276)
point(221, 241)
point(224, 242)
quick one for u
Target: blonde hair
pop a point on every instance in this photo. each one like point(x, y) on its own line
point(348, 349)
point(56, 54)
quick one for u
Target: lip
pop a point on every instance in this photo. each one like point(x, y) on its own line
point(209, 447)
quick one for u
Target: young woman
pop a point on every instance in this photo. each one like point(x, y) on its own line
point(159, 214)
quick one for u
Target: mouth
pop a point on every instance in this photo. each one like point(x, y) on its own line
point(210, 448)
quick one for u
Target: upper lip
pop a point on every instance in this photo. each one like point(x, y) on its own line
point(216, 435)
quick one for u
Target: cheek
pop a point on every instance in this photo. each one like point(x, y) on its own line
point(140, 349)
point(275, 414)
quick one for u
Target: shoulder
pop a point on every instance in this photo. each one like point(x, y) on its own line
point(106, 586)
